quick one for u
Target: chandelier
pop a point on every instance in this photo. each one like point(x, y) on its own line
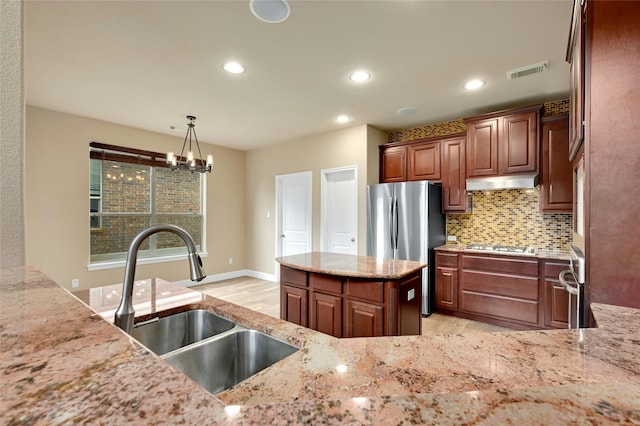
point(189, 162)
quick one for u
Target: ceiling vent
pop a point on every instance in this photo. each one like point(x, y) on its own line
point(528, 69)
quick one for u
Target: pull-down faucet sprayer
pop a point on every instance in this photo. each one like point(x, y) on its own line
point(125, 313)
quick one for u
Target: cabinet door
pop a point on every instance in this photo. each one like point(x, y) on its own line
point(576, 80)
point(454, 193)
point(447, 288)
point(519, 143)
point(424, 161)
point(482, 148)
point(393, 164)
point(293, 304)
point(556, 312)
point(556, 188)
point(326, 314)
point(364, 319)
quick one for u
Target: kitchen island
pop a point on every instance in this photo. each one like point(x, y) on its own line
point(351, 296)
point(62, 363)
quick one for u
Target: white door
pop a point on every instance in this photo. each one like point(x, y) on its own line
point(339, 210)
point(293, 215)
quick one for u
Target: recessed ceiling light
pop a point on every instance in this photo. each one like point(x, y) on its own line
point(233, 67)
point(474, 84)
point(406, 111)
point(271, 11)
point(343, 119)
point(359, 76)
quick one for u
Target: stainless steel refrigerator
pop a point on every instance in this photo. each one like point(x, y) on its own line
point(405, 221)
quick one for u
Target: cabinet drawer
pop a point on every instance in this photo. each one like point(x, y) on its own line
point(499, 264)
point(293, 276)
point(368, 290)
point(503, 307)
point(328, 283)
point(450, 260)
point(499, 284)
point(552, 270)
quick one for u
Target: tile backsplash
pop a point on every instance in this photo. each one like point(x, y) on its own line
point(511, 217)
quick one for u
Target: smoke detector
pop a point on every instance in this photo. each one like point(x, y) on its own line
point(527, 69)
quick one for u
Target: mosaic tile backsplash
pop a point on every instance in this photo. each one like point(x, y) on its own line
point(511, 217)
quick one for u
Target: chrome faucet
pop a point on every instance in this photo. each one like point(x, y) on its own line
point(125, 313)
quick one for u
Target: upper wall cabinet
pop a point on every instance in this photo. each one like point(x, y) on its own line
point(417, 160)
point(575, 57)
point(393, 163)
point(556, 177)
point(504, 142)
point(424, 161)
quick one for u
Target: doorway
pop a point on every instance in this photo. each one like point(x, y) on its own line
point(293, 215)
point(339, 210)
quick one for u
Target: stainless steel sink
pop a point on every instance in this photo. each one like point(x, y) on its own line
point(224, 361)
point(166, 334)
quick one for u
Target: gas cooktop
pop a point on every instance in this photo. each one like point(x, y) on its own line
point(501, 248)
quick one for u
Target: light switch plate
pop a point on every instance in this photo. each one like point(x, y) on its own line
point(411, 294)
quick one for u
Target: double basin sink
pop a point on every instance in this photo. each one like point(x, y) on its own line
point(211, 350)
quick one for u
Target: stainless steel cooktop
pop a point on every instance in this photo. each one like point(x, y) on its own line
point(501, 248)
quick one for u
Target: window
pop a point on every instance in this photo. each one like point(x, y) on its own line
point(130, 190)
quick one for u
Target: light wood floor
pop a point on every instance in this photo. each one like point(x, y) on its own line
point(264, 296)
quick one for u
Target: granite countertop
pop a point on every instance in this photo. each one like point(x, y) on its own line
point(539, 254)
point(62, 363)
point(348, 265)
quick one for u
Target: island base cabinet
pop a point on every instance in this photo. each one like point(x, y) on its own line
point(293, 304)
point(364, 319)
point(326, 314)
point(352, 307)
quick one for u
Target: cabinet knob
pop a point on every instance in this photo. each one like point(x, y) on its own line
point(353, 240)
point(282, 235)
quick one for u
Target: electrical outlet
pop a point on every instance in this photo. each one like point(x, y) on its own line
point(452, 238)
point(75, 283)
point(231, 261)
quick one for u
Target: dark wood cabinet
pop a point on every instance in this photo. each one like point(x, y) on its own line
point(482, 148)
point(293, 304)
point(611, 150)
point(575, 57)
point(424, 161)
point(556, 180)
point(446, 286)
point(503, 288)
point(556, 298)
point(503, 142)
point(393, 164)
point(364, 319)
point(454, 193)
point(326, 313)
point(518, 143)
point(352, 307)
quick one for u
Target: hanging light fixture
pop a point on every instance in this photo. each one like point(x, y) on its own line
point(189, 162)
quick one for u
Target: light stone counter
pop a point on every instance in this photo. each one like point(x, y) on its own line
point(61, 363)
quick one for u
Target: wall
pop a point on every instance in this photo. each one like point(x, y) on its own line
point(12, 247)
point(501, 217)
point(57, 179)
point(348, 147)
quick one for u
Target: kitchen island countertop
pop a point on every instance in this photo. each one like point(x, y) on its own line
point(61, 363)
point(348, 265)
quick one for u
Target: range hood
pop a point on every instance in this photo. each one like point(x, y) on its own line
point(503, 182)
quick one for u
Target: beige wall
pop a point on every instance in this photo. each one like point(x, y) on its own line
point(57, 220)
point(348, 147)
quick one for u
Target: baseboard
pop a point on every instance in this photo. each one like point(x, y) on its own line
point(227, 276)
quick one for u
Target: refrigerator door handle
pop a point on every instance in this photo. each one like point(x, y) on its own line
point(391, 216)
point(395, 224)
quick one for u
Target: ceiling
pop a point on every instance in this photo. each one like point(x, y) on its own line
point(148, 64)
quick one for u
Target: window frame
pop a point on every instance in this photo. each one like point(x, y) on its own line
point(107, 152)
